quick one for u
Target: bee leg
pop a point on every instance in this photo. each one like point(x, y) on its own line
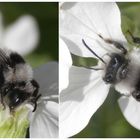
point(35, 102)
point(35, 84)
point(115, 43)
point(35, 106)
point(135, 39)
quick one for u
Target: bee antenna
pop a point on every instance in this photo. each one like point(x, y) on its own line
point(92, 51)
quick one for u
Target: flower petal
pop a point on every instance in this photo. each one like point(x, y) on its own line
point(47, 77)
point(66, 5)
point(131, 110)
point(85, 94)
point(65, 62)
point(22, 36)
point(44, 122)
point(77, 23)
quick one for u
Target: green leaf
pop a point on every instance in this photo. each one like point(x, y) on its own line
point(85, 62)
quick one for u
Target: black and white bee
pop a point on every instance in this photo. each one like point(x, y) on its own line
point(17, 85)
point(121, 70)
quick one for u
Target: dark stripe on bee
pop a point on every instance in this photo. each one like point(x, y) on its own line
point(16, 59)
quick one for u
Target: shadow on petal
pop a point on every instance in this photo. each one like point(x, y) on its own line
point(72, 46)
point(67, 5)
point(47, 77)
point(76, 86)
point(123, 102)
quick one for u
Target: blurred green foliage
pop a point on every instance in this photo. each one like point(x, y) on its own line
point(108, 121)
point(46, 14)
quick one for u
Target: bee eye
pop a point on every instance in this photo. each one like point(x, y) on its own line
point(16, 97)
point(108, 78)
point(114, 63)
point(6, 90)
point(136, 95)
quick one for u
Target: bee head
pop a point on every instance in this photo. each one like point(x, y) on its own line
point(116, 69)
point(15, 94)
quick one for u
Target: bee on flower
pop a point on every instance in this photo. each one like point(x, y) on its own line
point(94, 30)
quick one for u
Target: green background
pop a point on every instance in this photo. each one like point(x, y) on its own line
point(108, 121)
point(46, 15)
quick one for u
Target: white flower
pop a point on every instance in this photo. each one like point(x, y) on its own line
point(65, 63)
point(44, 121)
point(78, 101)
point(87, 91)
point(22, 36)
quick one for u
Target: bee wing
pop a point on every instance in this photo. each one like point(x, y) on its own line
point(4, 58)
point(47, 77)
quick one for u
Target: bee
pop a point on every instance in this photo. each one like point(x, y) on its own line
point(121, 69)
point(17, 85)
